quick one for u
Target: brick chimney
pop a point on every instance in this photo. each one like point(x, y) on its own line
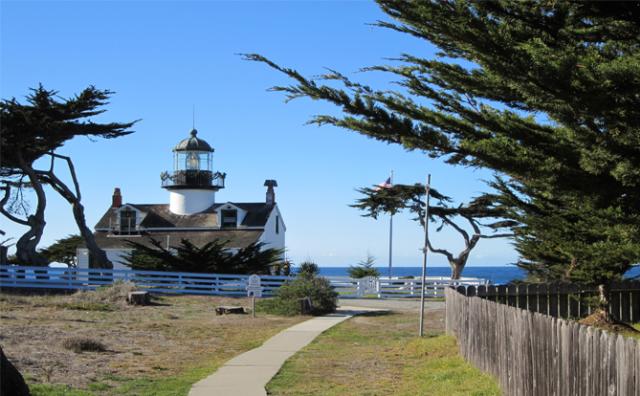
point(116, 199)
point(271, 194)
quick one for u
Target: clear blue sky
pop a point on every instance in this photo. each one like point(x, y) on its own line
point(162, 58)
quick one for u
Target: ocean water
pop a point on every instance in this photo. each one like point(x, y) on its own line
point(497, 275)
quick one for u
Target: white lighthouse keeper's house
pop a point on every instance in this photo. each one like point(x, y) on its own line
point(192, 212)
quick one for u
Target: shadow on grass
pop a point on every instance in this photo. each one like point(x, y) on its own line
point(376, 313)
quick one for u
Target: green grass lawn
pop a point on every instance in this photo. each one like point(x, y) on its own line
point(381, 355)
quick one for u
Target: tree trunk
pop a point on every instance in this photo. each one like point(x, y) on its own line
point(602, 310)
point(456, 269)
point(98, 256)
point(27, 244)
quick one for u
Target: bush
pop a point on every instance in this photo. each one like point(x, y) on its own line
point(212, 257)
point(82, 344)
point(308, 269)
point(287, 300)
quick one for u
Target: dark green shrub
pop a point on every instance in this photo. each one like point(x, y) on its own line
point(287, 300)
point(308, 269)
point(212, 257)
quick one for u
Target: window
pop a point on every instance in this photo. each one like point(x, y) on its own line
point(277, 224)
point(127, 221)
point(229, 218)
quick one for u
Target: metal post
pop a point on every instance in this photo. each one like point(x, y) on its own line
point(425, 249)
point(390, 234)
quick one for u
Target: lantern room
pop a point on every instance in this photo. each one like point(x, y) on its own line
point(192, 184)
point(192, 154)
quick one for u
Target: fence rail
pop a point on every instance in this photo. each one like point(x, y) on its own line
point(153, 281)
point(535, 354)
point(214, 284)
point(562, 300)
point(396, 287)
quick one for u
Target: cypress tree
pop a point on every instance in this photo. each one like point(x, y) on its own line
point(543, 93)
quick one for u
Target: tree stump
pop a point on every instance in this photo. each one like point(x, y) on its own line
point(229, 309)
point(138, 298)
point(11, 381)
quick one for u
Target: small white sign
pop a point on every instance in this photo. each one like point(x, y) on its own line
point(253, 286)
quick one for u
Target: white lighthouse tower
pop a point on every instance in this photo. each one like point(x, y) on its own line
point(193, 184)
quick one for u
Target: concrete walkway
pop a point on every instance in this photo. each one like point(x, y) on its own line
point(248, 374)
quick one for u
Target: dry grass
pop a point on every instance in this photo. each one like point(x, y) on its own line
point(599, 320)
point(175, 335)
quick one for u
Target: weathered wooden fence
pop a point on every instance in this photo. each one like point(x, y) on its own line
point(12, 276)
point(562, 300)
point(532, 354)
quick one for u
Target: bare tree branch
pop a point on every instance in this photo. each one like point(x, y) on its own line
point(3, 202)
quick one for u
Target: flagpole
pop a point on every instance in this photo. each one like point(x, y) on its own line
point(391, 234)
point(424, 257)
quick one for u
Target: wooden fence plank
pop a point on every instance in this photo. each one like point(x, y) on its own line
point(535, 354)
point(635, 306)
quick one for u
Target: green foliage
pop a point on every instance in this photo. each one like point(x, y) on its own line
point(544, 94)
point(364, 268)
point(63, 250)
point(282, 268)
point(45, 123)
point(33, 131)
point(287, 299)
point(212, 257)
point(308, 269)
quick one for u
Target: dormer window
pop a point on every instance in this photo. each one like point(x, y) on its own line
point(229, 218)
point(127, 221)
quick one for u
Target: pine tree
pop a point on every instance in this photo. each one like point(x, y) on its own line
point(63, 250)
point(364, 268)
point(542, 93)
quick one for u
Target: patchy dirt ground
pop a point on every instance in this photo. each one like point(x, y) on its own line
point(174, 334)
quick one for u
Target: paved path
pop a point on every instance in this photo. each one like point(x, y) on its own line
point(248, 374)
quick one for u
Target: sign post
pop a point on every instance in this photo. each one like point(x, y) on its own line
point(254, 289)
point(425, 249)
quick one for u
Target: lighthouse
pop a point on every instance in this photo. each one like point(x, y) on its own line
point(192, 214)
point(192, 184)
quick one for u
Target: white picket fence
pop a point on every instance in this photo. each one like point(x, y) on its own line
point(213, 284)
point(397, 287)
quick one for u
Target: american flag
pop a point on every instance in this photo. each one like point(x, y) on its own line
point(384, 184)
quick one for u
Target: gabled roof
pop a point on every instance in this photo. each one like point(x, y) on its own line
point(159, 216)
point(257, 213)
